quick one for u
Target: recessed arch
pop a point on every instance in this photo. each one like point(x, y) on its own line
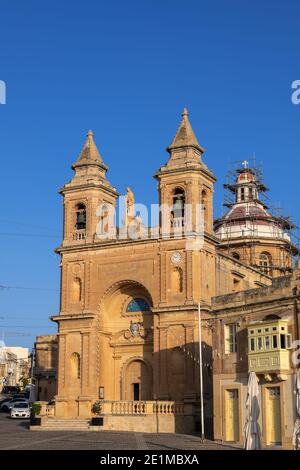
point(272, 316)
point(75, 366)
point(136, 378)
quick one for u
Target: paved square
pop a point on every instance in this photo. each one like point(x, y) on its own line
point(14, 434)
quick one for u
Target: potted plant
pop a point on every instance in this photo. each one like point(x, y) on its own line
point(97, 410)
point(35, 411)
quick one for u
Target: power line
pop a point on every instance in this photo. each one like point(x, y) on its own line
point(14, 222)
point(38, 235)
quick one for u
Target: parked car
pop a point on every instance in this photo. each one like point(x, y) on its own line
point(20, 410)
point(7, 406)
point(10, 390)
point(4, 400)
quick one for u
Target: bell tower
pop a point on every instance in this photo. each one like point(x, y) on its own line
point(87, 191)
point(185, 184)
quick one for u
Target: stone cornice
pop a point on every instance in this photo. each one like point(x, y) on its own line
point(72, 316)
point(180, 308)
point(251, 307)
point(123, 242)
point(197, 168)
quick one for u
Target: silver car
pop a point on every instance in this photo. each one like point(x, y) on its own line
point(20, 410)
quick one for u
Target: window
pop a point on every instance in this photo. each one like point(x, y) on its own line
point(274, 341)
point(236, 284)
point(267, 342)
point(80, 217)
point(265, 262)
point(138, 305)
point(178, 203)
point(236, 255)
point(250, 194)
point(288, 341)
point(230, 338)
point(252, 344)
point(242, 194)
point(259, 343)
point(282, 342)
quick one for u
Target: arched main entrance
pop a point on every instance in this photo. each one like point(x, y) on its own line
point(137, 381)
point(126, 342)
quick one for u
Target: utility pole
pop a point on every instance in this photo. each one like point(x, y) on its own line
point(201, 373)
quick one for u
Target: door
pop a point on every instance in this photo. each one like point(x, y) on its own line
point(136, 391)
point(232, 419)
point(137, 381)
point(273, 416)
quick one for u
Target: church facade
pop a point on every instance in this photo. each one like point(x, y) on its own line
point(128, 320)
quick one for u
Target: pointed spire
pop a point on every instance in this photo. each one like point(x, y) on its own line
point(185, 136)
point(89, 154)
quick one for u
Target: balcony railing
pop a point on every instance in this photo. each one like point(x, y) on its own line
point(79, 235)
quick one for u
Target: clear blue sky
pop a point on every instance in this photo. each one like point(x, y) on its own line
point(126, 69)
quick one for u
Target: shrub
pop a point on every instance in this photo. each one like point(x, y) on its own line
point(36, 409)
point(97, 408)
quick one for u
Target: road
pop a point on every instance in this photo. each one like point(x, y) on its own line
point(15, 435)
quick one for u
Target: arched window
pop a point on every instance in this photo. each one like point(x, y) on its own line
point(251, 197)
point(177, 280)
point(75, 366)
point(138, 305)
point(204, 207)
point(236, 255)
point(178, 201)
point(76, 290)
point(80, 217)
point(265, 263)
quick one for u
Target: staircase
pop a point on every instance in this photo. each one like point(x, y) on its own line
point(61, 424)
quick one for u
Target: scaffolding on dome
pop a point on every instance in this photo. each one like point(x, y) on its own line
point(272, 214)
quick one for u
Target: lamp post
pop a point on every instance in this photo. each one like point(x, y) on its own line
point(201, 373)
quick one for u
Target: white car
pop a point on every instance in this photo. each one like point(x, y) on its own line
point(7, 406)
point(20, 410)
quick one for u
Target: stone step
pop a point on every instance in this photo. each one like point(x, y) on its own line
point(58, 428)
point(58, 420)
point(55, 423)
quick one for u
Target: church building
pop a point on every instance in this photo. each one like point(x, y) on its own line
point(128, 321)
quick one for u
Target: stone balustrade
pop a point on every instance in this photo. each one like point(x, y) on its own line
point(141, 407)
point(130, 408)
point(46, 409)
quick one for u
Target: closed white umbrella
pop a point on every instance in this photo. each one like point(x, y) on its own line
point(296, 433)
point(252, 429)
